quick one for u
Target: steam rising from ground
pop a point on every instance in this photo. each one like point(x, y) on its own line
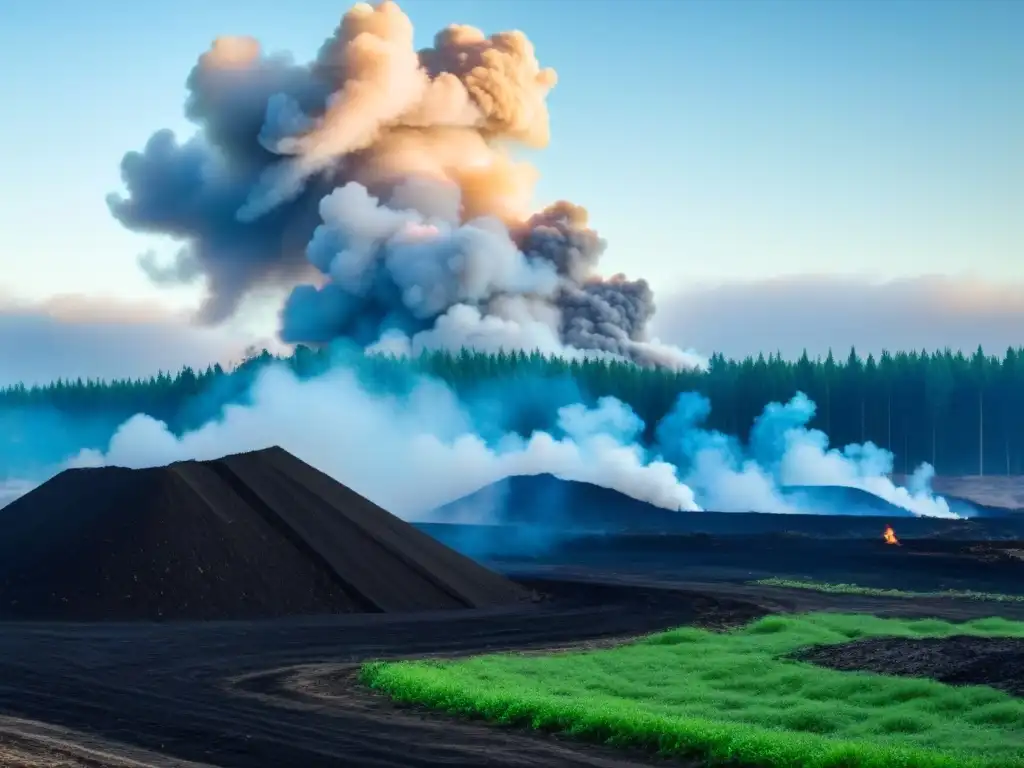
point(413, 453)
point(382, 174)
point(408, 454)
point(729, 477)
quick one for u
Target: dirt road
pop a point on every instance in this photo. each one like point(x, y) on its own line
point(281, 693)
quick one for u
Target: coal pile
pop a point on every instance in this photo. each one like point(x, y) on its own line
point(254, 535)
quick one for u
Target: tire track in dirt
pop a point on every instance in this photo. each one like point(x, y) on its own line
point(184, 694)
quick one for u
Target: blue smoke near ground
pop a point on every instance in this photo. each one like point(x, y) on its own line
point(416, 449)
point(782, 452)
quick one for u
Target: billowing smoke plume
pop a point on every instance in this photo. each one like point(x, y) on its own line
point(376, 181)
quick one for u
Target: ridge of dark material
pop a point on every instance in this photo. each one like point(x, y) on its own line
point(275, 521)
point(369, 567)
point(546, 501)
point(255, 535)
point(458, 575)
point(124, 544)
point(388, 547)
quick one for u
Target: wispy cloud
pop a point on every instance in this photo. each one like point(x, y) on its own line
point(817, 312)
point(72, 335)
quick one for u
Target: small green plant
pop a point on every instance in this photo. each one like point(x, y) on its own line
point(735, 697)
point(855, 589)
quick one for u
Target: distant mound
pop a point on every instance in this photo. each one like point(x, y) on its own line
point(548, 501)
point(840, 500)
point(259, 534)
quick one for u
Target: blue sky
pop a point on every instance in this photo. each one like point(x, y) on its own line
point(712, 142)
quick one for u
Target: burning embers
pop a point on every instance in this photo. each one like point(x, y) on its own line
point(889, 536)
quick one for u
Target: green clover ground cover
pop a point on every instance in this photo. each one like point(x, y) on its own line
point(734, 697)
point(855, 589)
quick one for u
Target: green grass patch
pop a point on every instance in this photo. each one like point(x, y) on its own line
point(735, 696)
point(855, 589)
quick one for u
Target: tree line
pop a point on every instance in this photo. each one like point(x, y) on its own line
point(962, 413)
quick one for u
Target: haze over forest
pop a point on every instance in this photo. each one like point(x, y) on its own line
point(962, 414)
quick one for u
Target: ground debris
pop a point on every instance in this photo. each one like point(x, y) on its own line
point(959, 660)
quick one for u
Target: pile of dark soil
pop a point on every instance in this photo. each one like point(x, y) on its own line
point(549, 501)
point(545, 501)
point(260, 534)
point(961, 660)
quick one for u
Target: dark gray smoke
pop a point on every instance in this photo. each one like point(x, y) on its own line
point(384, 170)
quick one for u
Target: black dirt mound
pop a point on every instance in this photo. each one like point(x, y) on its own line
point(840, 500)
point(960, 660)
point(546, 501)
point(253, 535)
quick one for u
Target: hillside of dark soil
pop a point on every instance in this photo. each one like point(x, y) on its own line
point(839, 500)
point(548, 501)
point(260, 534)
point(961, 660)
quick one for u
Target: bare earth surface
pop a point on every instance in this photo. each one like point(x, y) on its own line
point(282, 693)
point(993, 661)
point(263, 540)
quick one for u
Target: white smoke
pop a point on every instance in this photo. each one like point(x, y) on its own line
point(409, 454)
point(415, 452)
point(782, 452)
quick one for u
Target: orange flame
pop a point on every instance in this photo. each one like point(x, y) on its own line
point(890, 536)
